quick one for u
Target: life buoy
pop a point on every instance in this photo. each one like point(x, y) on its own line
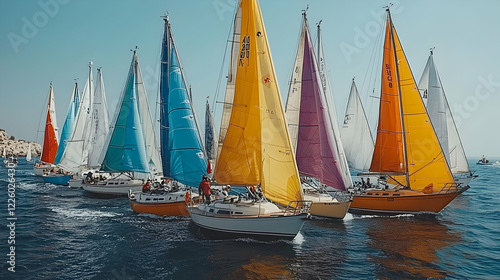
point(187, 198)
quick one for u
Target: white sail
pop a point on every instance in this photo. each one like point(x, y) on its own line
point(75, 155)
point(356, 135)
point(152, 149)
point(292, 109)
point(28, 155)
point(442, 119)
point(100, 123)
point(331, 109)
point(231, 81)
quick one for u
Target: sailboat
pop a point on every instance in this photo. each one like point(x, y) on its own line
point(254, 145)
point(407, 149)
point(124, 153)
point(356, 134)
point(50, 139)
point(74, 154)
point(183, 157)
point(28, 154)
point(98, 130)
point(69, 124)
point(312, 133)
point(439, 111)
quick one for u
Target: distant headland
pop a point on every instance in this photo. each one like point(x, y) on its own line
point(13, 146)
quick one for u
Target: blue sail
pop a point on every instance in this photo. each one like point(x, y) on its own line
point(187, 159)
point(126, 150)
point(69, 124)
point(183, 156)
point(164, 85)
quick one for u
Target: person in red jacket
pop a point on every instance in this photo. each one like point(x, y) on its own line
point(146, 187)
point(205, 188)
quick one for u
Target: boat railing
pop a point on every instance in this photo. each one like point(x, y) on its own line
point(452, 188)
point(298, 206)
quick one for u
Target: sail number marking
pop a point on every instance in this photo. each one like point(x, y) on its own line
point(245, 50)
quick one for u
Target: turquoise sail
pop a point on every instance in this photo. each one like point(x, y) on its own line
point(69, 124)
point(126, 151)
point(184, 160)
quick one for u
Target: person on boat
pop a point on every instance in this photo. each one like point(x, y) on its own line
point(224, 193)
point(368, 184)
point(88, 178)
point(146, 187)
point(205, 189)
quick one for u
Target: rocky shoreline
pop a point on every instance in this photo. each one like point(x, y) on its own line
point(17, 147)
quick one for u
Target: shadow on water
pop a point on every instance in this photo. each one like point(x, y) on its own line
point(408, 247)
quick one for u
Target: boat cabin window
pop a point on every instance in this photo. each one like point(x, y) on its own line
point(223, 212)
point(385, 194)
point(369, 193)
point(148, 199)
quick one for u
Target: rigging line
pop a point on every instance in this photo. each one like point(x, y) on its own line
point(230, 34)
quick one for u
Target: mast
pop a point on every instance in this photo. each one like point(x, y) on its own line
point(405, 152)
point(319, 37)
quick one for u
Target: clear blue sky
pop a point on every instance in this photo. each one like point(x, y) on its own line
point(53, 40)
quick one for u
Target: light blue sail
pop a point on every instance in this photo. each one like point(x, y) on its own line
point(184, 157)
point(69, 124)
point(126, 151)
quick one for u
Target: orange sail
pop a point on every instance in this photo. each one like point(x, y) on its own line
point(426, 161)
point(50, 139)
point(388, 155)
point(406, 141)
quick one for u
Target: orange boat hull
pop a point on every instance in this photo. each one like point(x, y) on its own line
point(400, 202)
point(161, 209)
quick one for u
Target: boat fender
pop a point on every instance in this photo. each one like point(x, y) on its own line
point(187, 198)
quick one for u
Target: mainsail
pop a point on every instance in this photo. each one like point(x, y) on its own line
point(182, 149)
point(406, 142)
point(99, 125)
point(309, 119)
point(331, 111)
point(255, 144)
point(152, 152)
point(75, 155)
point(439, 111)
point(125, 150)
point(69, 123)
point(51, 137)
point(356, 135)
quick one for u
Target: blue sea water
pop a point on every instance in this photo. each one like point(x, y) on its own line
point(62, 233)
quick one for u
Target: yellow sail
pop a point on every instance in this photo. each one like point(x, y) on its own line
point(426, 162)
point(256, 148)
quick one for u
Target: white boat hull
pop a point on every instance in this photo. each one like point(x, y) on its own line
point(114, 187)
point(76, 183)
point(39, 170)
point(266, 226)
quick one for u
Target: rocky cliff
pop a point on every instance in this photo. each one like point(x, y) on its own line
point(17, 147)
